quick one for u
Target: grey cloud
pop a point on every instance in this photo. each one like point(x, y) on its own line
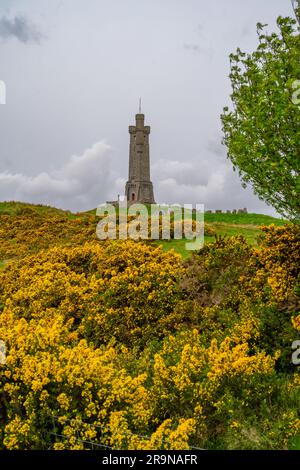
point(246, 31)
point(216, 147)
point(189, 182)
point(82, 183)
point(20, 28)
point(88, 180)
point(192, 47)
point(204, 181)
point(200, 28)
point(184, 172)
point(72, 90)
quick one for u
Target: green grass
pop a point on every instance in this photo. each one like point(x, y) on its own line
point(244, 219)
point(176, 245)
point(179, 245)
point(295, 443)
point(17, 208)
point(246, 225)
point(240, 219)
point(250, 233)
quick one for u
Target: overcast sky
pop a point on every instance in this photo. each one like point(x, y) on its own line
point(74, 72)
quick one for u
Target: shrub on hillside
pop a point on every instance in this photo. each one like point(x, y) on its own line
point(126, 290)
point(229, 282)
point(121, 344)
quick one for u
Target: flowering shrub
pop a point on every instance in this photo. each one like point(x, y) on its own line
point(119, 343)
point(29, 231)
point(26, 229)
point(233, 288)
point(125, 290)
point(276, 265)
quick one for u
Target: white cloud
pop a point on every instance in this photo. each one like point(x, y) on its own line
point(201, 182)
point(89, 179)
point(188, 183)
point(190, 173)
point(82, 183)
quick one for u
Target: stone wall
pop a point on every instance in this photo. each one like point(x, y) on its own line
point(228, 211)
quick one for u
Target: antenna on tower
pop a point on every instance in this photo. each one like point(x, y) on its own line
point(140, 105)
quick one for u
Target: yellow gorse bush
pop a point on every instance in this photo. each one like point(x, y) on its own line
point(118, 343)
point(123, 290)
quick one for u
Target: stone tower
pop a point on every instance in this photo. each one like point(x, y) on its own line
point(139, 187)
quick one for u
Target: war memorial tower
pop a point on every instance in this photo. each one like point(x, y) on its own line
point(139, 188)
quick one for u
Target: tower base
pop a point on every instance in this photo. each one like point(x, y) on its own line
point(139, 192)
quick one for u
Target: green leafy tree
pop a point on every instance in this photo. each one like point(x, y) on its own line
point(262, 131)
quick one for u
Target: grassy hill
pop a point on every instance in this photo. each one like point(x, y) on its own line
point(243, 219)
point(247, 225)
point(28, 228)
point(21, 208)
point(119, 336)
